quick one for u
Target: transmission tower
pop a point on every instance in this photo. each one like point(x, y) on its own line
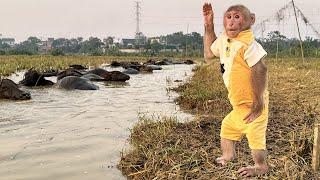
point(138, 8)
point(139, 37)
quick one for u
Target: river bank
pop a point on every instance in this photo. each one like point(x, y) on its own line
point(169, 149)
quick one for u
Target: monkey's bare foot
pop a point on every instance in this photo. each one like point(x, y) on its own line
point(223, 160)
point(253, 170)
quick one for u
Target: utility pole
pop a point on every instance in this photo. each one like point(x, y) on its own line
point(295, 14)
point(187, 40)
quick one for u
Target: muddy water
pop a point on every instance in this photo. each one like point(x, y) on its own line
point(79, 134)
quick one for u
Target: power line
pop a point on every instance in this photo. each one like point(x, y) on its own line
point(316, 14)
point(284, 14)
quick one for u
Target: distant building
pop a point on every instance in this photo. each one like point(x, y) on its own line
point(154, 40)
point(9, 41)
point(128, 42)
point(49, 44)
point(45, 46)
point(140, 39)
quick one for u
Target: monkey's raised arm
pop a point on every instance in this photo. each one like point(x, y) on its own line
point(209, 34)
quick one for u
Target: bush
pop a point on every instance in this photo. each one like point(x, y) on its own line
point(57, 52)
point(2, 52)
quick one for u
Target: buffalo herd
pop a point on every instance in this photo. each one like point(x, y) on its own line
point(79, 77)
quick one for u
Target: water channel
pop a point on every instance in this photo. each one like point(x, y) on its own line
point(76, 134)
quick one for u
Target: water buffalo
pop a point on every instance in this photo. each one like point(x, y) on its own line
point(188, 61)
point(115, 64)
point(150, 62)
point(130, 71)
point(10, 90)
point(115, 76)
point(33, 78)
point(75, 82)
point(50, 73)
point(97, 71)
point(109, 76)
point(93, 77)
point(77, 67)
point(163, 62)
point(126, 64)
point(155, 67)
point(68, 72)
point(146, 69)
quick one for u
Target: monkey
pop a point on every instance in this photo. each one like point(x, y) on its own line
point(245, 76)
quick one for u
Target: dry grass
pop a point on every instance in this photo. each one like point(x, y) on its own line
point(11, 64)
point(168, 149)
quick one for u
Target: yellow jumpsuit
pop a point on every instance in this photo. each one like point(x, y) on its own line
point(237, 56)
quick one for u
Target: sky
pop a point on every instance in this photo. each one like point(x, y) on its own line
point(102, 18)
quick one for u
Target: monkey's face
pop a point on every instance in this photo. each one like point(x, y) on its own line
point(234, 22)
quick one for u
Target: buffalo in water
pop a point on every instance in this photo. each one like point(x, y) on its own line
point(77, 67)
point(110, 75)
point(75, 82)
point(10, 90)
point(33, 78)
point(115, 76)
point(166, 61)
point(69, 72)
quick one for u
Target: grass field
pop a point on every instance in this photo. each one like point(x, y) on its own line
point(11, 64)
point(168, 149)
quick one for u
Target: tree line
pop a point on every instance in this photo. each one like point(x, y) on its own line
point(175, 44)
point(279, 45)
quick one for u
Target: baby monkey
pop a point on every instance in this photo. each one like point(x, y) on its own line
point(245, 76)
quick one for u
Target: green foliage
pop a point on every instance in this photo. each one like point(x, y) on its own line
point(155, 47)
point(96, 52)
point(175, 44)
point(113, 51)
point(285, 47)
point(57, 52)
point(4, 46)
point(28, 47)
point(92, 46)
point(71, 46)
point(33, 40)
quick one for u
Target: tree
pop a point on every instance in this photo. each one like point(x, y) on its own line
point(4, 46)
point(33, 40)
point(155, 47)
point(28, 47)
point(92, 46)
point(57, 52)
point(108, 42)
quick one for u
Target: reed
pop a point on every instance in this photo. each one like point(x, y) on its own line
point(11, 64)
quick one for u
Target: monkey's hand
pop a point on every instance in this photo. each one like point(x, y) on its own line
point(208, 14)
point(256, 110)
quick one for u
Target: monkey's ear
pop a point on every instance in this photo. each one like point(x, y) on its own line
point(253, 18)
